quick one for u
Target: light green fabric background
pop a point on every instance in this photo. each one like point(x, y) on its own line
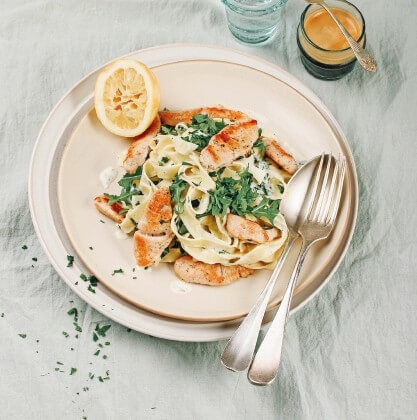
point(351, 353)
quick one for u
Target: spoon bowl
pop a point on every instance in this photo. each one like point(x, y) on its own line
point(298, 194)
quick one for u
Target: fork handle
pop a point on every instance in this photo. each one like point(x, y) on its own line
point(265, 364)
point(238, 352)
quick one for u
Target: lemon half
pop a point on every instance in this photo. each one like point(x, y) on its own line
point(126, 97)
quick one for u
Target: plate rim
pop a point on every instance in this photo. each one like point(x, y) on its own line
point(271, 305)
point(290, 80)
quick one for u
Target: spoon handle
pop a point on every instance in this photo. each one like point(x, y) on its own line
point(365, 59)
point(239, 350)
point(265, 364)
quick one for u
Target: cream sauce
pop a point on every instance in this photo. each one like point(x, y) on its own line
point(180, 287)
point(108, 175)
point(119, 234)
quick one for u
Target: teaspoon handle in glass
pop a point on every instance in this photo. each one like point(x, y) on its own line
point(239, 350)
point(265, 364)
point(365, 59)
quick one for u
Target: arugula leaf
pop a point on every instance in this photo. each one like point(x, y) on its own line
point(128, 184)
point(237, 196)
point(266, 208)
point(167, 129)
point(126, 197)
point(205, 128)
point(176, 188)
point(127, 180)
point(261, 146)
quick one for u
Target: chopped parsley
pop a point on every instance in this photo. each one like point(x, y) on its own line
point(34, 259)
point(73, 312)
point(163, 160)
point(101, 331)
point(73, 370)
point(22, 335)
point(70, 260)
point(24, 247)
point(92, 280)
point(118, 271)
point(77, 327)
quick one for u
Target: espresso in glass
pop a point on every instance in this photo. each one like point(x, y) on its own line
point(324, 50)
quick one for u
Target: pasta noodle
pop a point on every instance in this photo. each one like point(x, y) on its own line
point(200, 234)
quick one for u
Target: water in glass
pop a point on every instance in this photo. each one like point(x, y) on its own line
point(253, 21)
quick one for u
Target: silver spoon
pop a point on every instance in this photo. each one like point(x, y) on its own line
point(365, 59)
point(318, 224)
point(238, 352)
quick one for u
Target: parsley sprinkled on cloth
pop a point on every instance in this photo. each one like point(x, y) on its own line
point(73, 312)
point(101, 331)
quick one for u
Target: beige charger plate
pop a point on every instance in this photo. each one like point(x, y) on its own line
point(279, 108)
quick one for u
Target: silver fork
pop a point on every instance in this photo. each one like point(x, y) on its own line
point(318, 224)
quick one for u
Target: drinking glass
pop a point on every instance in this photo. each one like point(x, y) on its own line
point(253, 21)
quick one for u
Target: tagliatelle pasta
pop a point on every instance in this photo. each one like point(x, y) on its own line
point(199, 230)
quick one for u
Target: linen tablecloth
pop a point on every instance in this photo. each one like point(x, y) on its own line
point(351, 353)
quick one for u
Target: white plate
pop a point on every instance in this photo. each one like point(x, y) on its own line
point(276, 99)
